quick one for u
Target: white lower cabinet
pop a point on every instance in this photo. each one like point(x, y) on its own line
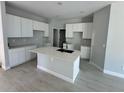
point(16, 56)
point(28, 54)
point(20, 55)
point(85, 52)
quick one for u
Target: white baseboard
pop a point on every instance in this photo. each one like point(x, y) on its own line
point(92, 63)
point(56, 74)
point(114, 73)
point(5, 68)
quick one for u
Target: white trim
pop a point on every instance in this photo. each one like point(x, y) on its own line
point(75, 76)
point(98, 67)
point(114, 73)
point(56, 74)
point(5, 68)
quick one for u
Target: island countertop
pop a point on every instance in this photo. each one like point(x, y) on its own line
point(52, 51)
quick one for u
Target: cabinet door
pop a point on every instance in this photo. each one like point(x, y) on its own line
point(30, 55)
point(69, 30)
point(26, 27)
point(78, 27)
point(13, 26)
point(37, 26)
point(85, 52)
point(46, 29)
point(13, 58)
point(88, 31)
point(16, 56)
point(21, 55)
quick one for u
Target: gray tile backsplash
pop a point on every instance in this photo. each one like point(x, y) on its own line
point(37, 39)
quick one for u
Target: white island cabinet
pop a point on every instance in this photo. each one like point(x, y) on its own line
point(61, 64)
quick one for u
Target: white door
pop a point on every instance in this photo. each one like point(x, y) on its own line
point(26, 27)
point(13, 26)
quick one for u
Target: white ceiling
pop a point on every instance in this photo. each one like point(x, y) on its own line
point(68, 9)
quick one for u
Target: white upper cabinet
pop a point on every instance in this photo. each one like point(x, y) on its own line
point(87, 33)
point(40, 26)
point(37, 25)
point(69, 30)
point(18, 26)
point(46, 29)
point(26, 27)
point(78, 27)
point(13, 26)
point(86, 28)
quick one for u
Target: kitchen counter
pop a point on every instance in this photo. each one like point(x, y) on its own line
point(51, 51)
point(61, 64)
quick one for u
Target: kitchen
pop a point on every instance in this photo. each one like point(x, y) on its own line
point(46, 43)
point(25, 34)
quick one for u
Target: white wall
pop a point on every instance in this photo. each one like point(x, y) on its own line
point(100, 30)
point(114, 60)
point(3, 37)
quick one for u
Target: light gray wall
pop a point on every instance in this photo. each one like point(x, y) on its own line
point(3, 37)
point(100, 30)
point(114, 60)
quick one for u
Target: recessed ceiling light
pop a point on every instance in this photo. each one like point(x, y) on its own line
point(60, 3)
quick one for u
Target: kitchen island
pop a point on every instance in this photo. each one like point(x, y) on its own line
point(61, 64)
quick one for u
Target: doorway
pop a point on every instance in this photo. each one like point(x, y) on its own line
point(55, 37)
point(62, 38)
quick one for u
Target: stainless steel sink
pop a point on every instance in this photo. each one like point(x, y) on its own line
point(65, 50)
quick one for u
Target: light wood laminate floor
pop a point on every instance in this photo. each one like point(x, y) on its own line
point(27, 77)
